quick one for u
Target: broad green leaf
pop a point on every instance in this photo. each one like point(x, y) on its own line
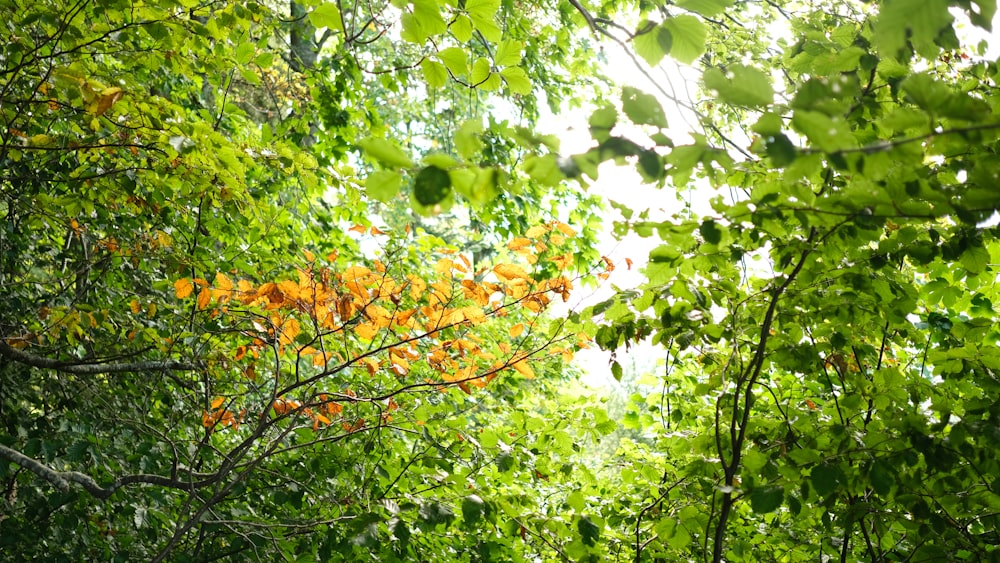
point(327, 15)
point(828, 134)
point(435, 73)
point(472, 509)
point(431, 185)
point(244, 53)
point(516, 79)
point(975, 259)
point(707, 8)
point(642, 108)
point(482, 13)
point(423, 22)
point(688, 33)
point(918, 20)
point(589, 531)
point(825, 478)
point(386, 152)
point(766, 499)
point(383, 185)
point(508, 53)
point(481, 70)
point(455, 59)
point(468, 138)
point(653, 45)
point(740, 85)
point(461, 28)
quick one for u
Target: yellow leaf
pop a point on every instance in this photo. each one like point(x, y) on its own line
point(183, 287)
point(366, 331)
point(103, 102)
point(134, 305)
point(289, 330)
point(557, 239)
point(516, 330)
point(290, 289)
point(357, 273)
point(217, 402)
point(536, 231)
point(247, 293)
point(518, 243)
point(444, 266)
point(223, 287)
point(310, 257)
point(524, 369)
point(565, 229)
point(474, 315)
point(204, 298)
point(508, 272)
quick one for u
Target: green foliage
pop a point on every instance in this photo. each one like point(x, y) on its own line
point(276, 281)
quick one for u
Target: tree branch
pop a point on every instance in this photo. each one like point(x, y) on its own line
point(83, 368)
point(62, 479)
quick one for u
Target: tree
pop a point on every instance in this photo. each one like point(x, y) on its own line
point(210, 349)
point(832, 319)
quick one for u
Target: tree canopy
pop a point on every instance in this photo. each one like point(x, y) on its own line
point(278, 281)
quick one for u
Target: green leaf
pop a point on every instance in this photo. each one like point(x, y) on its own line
point(918, 20)
point(461, 28)
point(825, 478)
point(828, 134)
point(455, 59)
point(327, 15)
point(653, 45)
point(472, 509)
point(602, 121)
point(688, 33)
point(588, 530)
point(766, 499)
point(435, 73)
point(975, 259)
point(642, 108)
point(244, 53)
point(423, 22)
point(431, 185)
point(707, 8)
point(508, 53)
point(386, 152)
point(481, 70)
point(516, 79)
point(468, 140)
point(740, 85)
point(482, 13)
point(383, 185)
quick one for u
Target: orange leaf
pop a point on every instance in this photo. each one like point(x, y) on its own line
point(536, 231)
point(518, 243)
point(217, 402)
point(516, 330)
point(565, 229)
point(310, 257)
point(474, 315)
point(183, 287)
point(628, 263)
point(524, 369)
point(376, 231)
point(289, 330)
point(134, 305)
point(366, 331)
point(204, 298)
point(508, 272)
point(358, 229)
